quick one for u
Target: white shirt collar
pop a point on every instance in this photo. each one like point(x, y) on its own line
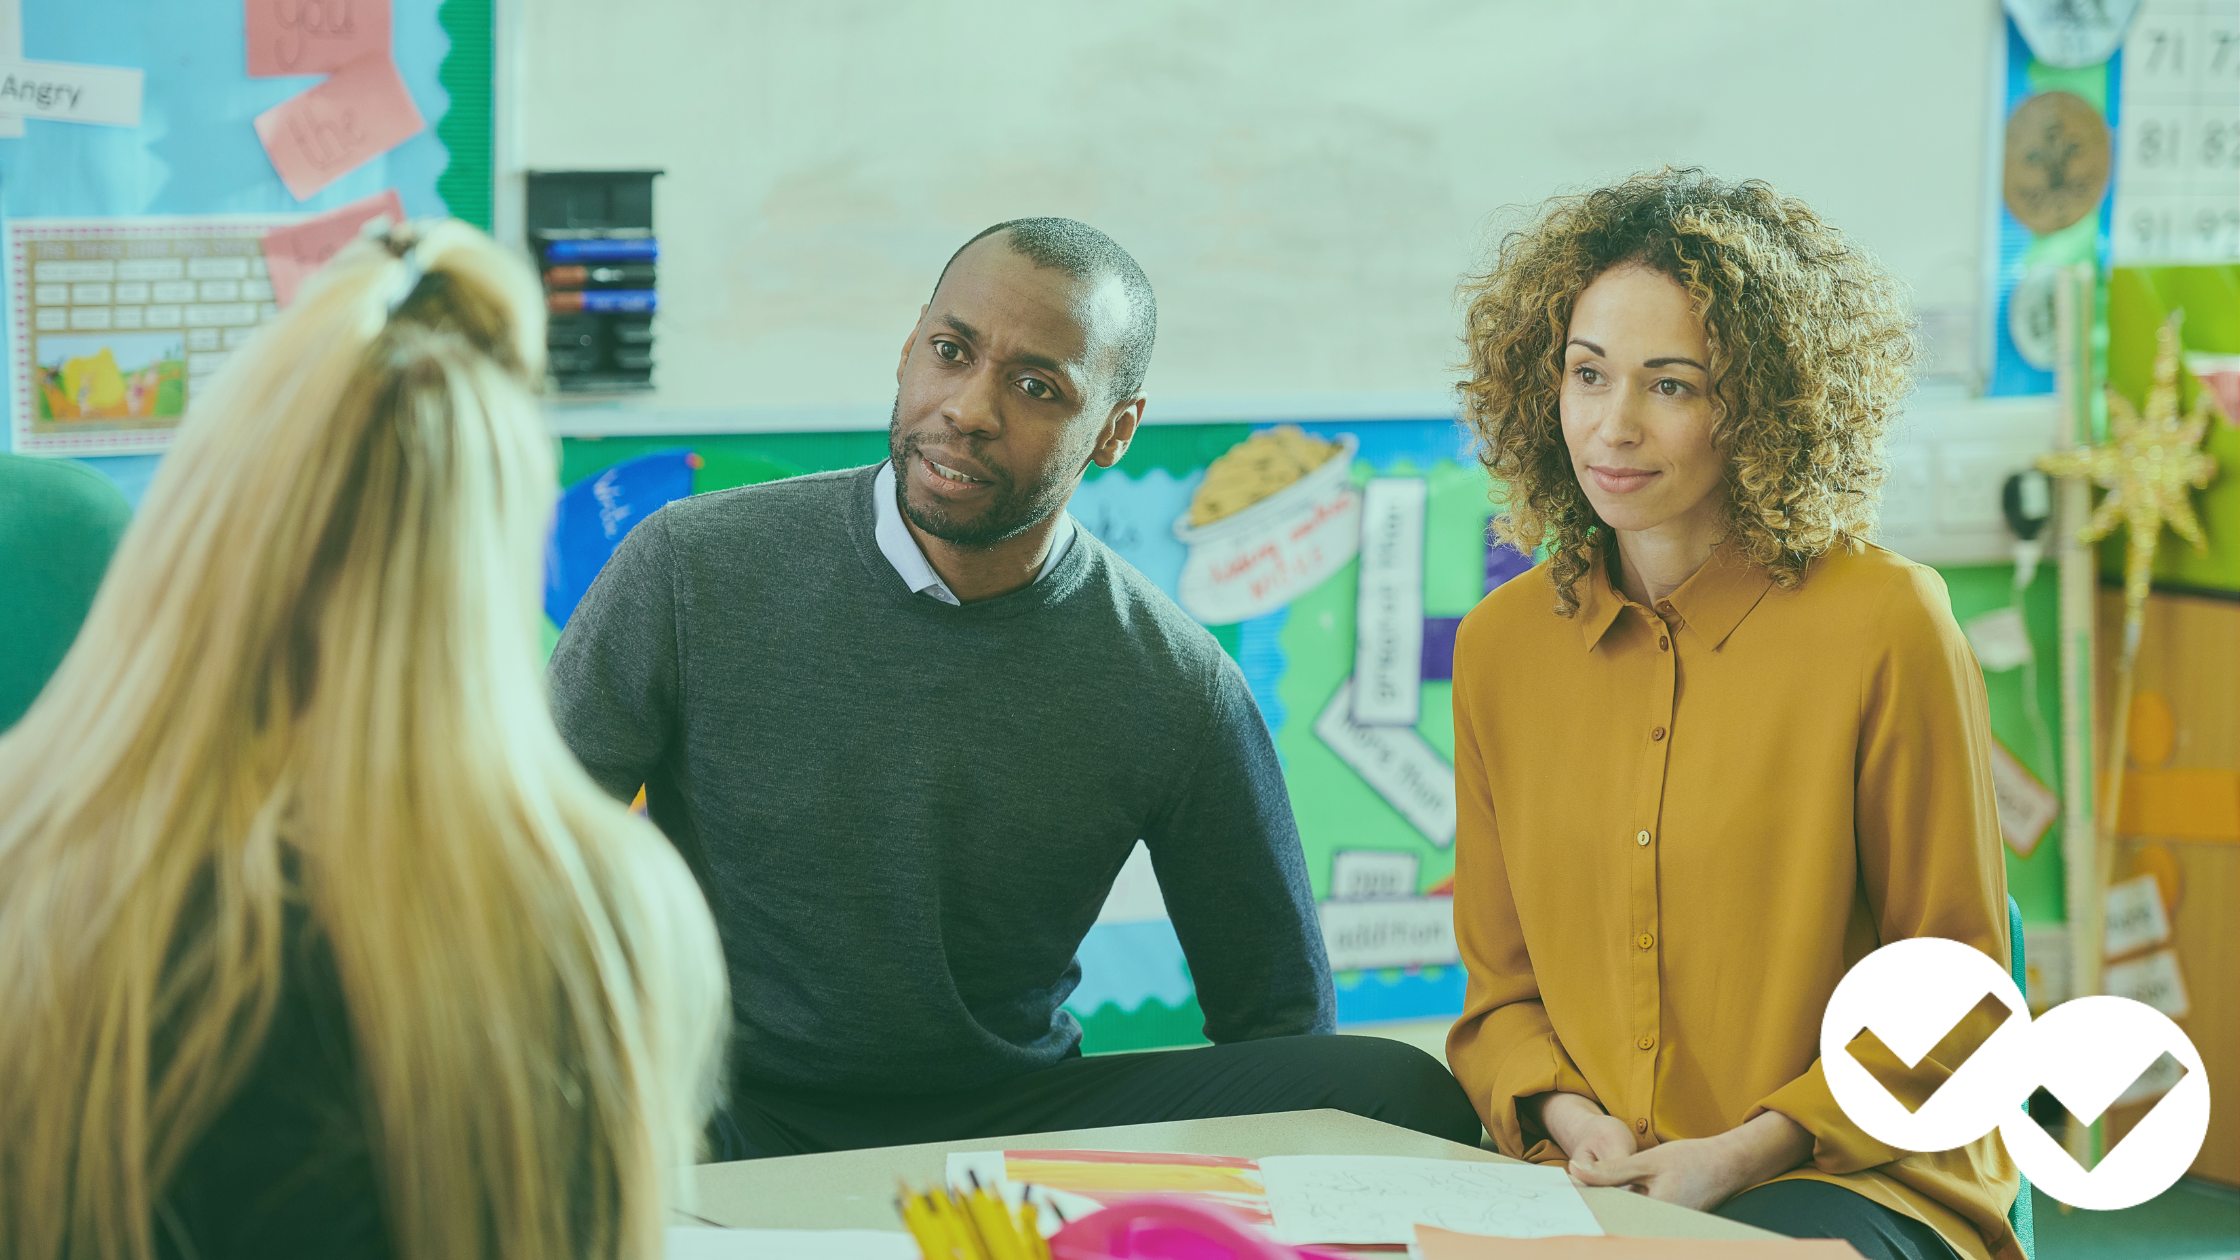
point(909, 560)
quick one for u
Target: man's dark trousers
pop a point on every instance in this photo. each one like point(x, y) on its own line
point(1367, 1076)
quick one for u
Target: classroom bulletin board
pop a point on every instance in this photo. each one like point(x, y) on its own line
point(1373, 798)
point(195, 153)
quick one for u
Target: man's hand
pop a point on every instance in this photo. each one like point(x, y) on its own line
point(1702, 1173)
point(1581, 1128)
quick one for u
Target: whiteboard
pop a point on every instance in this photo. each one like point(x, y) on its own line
point(1303, 182)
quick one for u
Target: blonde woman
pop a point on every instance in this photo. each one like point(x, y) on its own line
point(314, 939)
point(1717, 748)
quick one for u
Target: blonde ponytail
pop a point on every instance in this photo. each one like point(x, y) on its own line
point(312, 673)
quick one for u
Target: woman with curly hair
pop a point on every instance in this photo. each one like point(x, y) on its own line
point(1717, 747)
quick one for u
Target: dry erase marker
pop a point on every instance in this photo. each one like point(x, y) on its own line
point(570, 301)
point(629, 250)
point(635, 276)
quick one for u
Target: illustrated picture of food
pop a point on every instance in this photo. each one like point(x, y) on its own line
point(1256, 468)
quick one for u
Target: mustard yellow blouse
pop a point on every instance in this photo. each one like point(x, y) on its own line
point(1678, 829)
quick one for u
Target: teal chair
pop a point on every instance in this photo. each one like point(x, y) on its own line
point(59, 523)
point(2019, 1215)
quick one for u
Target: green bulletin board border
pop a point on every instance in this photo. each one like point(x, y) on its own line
point(466, 185)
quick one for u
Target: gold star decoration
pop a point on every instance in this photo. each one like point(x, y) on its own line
point(2147, 465)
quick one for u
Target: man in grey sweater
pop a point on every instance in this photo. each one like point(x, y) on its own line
point(907, 721)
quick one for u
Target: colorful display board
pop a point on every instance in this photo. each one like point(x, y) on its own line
point(194, 169)
point(1333, 561)
point(1324, 642)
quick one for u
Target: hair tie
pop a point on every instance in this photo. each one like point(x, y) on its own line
point(402, 240)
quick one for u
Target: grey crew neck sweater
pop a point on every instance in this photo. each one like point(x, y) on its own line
point(906, 814)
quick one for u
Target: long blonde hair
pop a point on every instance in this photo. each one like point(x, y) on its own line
point(312, 678)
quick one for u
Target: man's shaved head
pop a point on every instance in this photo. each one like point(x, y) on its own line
point(1086, 254)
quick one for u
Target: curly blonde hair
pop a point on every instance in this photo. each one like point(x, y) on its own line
point(1812, 351)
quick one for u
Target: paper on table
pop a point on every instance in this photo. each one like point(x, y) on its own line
point(693, 1243)
point(313, 36)
point(1432, 1243)
point(1077, 1183)
point(291, 254)
point(1366, 1200)
point(323, 133)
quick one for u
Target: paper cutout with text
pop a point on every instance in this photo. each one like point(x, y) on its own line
point(324, 133)
point(313, 36)
point(293, 253)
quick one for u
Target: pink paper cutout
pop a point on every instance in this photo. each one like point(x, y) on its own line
point(291, 254)
point(323, 133)
point(313, 36)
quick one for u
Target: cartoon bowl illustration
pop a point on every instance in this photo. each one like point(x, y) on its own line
point(1256, 559)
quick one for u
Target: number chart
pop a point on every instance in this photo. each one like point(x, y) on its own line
point(2178, 155)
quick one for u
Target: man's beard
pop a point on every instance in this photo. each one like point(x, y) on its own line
point(1011, 510)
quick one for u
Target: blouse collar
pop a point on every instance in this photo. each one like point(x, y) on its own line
point(1711, 603)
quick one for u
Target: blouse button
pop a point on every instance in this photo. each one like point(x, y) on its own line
point(1664, 644)
point(1646, 1042)
point(1641, 838)
point(1646, 940)
point(1665, 608)
point(1657, 733)
point(1641, 1126)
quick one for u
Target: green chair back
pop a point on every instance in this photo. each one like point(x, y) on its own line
point(59, 523)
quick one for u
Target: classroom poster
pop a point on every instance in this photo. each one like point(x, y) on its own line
point(2178, 157)
point(1333, 561)
point(114, 322)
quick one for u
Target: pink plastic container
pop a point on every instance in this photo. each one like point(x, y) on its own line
point(1158, 1227)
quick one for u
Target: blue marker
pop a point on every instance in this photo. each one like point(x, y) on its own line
point(597, 301)
point(635, 249)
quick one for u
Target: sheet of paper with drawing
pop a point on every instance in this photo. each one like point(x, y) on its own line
point(1068, 1185)
point(1366, 1200)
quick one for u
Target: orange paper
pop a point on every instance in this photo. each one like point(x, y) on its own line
point(2184, 804)
point(291, 254)
point(1443, 1244)
point(317, 136)
point(313, 36)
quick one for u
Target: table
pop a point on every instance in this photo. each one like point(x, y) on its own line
point(855, 1189)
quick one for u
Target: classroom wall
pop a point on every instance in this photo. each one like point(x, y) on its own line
point(1303, 183)
point(1304, 192)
